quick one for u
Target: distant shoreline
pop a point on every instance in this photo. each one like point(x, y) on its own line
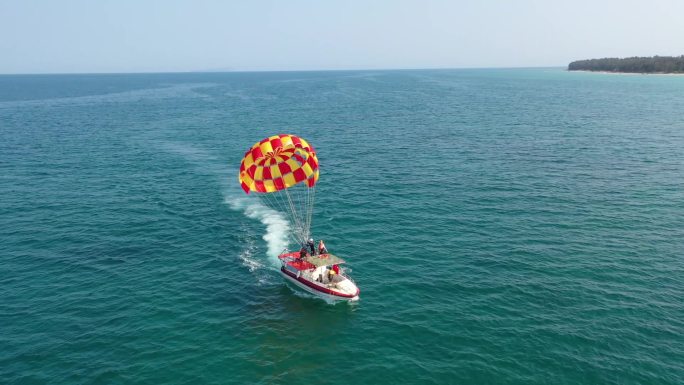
point(656, 65)
point(632, 73)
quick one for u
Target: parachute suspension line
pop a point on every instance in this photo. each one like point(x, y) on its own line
point(297, 199)
point(309, 200)
point(311, 194)
point(305, 204)
point(292, 217)
point(274, 203)
point(296, 207)
point(308, 210)
point(302, 205)
point(299, 225)
point(311, 210)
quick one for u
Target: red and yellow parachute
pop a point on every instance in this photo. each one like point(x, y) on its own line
point(284, 170)
point(278, 162)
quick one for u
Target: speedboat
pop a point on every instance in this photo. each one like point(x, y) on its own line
point(319, 275)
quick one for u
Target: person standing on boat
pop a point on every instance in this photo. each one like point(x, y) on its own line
point(312, 246)
point(321, 248)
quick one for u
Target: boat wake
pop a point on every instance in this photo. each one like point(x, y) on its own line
point(247, 255)
point(277, 227)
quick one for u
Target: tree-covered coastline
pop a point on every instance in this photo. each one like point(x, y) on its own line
point(655, 64)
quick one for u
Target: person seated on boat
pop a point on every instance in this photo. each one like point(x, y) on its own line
point(336, 269)
point(331, 275)
point(302, 253)
point(321, 248)
point(312, 246)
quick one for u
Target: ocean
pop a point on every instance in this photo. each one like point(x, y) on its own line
point(505, 226)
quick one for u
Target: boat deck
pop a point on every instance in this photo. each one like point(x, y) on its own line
point(301, 265)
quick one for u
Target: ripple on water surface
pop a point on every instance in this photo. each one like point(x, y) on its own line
point(505, 226)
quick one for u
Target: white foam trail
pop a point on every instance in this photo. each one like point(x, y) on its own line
point(277, 227)
point(246, 256)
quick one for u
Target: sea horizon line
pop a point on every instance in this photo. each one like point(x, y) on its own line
point(274, 71)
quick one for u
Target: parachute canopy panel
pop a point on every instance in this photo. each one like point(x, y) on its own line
point(277, 163)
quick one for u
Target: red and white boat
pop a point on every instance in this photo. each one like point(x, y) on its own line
point(316, 275)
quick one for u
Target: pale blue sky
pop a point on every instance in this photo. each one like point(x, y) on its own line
point(65, 36)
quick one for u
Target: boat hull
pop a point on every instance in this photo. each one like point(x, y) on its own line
point(317, 290)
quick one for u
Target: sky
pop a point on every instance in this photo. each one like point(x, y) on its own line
point(97, 36)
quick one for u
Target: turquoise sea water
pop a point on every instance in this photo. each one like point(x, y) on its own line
point(505, 227)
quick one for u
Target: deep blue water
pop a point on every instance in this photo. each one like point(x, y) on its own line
point(505, 227)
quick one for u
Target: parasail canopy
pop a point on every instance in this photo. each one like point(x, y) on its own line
point(283, 169)
point(278, 162)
